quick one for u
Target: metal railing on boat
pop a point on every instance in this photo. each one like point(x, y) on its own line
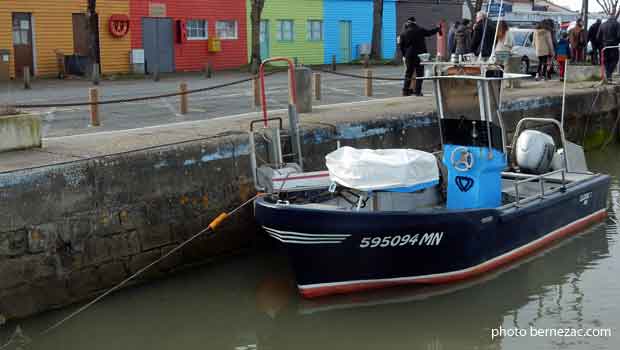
point(541, 189)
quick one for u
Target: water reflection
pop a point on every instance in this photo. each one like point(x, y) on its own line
point(251, 303)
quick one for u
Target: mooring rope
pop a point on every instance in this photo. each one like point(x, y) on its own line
point(211, 228)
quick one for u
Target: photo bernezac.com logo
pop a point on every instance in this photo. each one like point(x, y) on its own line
point(502, 332)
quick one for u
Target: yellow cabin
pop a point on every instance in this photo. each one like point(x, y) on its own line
point(37, 33)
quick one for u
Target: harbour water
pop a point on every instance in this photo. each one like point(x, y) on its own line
point(249, 302)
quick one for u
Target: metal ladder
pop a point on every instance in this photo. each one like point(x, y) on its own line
point(276, 137)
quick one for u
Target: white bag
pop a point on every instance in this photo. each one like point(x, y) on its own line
point(373, 170)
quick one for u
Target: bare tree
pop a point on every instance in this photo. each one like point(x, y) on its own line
point(255, 16)
point(377, 26)
point(610, 7)
point(93, 30)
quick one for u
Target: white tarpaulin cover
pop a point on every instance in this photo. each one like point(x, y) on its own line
point(373, 170)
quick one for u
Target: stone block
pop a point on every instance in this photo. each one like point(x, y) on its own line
point(141, 260)
point(11, 273)
point(107, 223)
point(83, 282)
point(172, 262)
point(124, 245)
point(40, 238)
point(96, 251)
point(38, 266)
point(50, 292)
point(21, 131)
point(18, 303)
point(155, 236)
point(112, 273)
point(13, 243)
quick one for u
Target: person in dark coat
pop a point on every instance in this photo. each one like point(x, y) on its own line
point(483, 36)
point(462, 38)
point(609, 35)
point(592, 38)
point(453, 29)
point(412, 43)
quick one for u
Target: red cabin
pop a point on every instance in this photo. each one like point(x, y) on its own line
point(185, 35)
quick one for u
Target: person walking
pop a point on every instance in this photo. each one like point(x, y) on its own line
point(462, 38)
point(578, 41)
point(412, 44)
point(451, 33)
point(609, 35)
point(562, 53)
point(543, 43)
point(505, 40)
point(483, 35)
point(593, 39)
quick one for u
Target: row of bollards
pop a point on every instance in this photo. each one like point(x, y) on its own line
point(314, 87)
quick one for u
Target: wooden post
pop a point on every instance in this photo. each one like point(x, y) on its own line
point(27, 77)
point(334, 63)
point(94, 108)
point(256, 88)
point(366, 61)
point(368, 89)
point(183, 98)
point(317, 86)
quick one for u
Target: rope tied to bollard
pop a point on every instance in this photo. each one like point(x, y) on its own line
point(142, 98)
point(350, 75)
point(211, 228)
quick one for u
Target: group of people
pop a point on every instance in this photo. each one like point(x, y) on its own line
point(483, 38)
point(573, 44)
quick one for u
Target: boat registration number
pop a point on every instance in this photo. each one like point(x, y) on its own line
point(426, 239)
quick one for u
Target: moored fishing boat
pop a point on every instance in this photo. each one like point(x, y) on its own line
point(379, 218)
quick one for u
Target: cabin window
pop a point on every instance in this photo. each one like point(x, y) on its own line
point(21, 32)
point(285, 30)
point(315, 30)
point(226, 29)
point(197, 29)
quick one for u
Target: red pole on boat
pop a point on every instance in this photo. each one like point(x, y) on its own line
point(292, 84)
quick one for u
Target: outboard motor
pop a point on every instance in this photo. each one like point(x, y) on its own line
point(535, 151)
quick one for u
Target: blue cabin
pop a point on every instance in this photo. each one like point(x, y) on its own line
point(348, 28)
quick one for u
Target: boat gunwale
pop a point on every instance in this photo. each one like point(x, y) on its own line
point(527, 204)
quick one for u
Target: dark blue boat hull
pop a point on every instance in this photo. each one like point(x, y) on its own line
point(339, 252)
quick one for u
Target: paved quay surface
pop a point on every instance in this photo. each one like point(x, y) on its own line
point(232, 100)
point(57, 150)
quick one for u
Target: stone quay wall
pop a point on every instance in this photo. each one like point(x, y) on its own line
point(71, 230)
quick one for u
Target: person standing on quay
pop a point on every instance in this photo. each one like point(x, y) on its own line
point(593, 39)
point(505, 40)
point(451, 33)
point(483, 36)
point(578, 41)
point(543, 43)
point(609, 35)
point(462, 38)
point(562, 53)
point(412, 44)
